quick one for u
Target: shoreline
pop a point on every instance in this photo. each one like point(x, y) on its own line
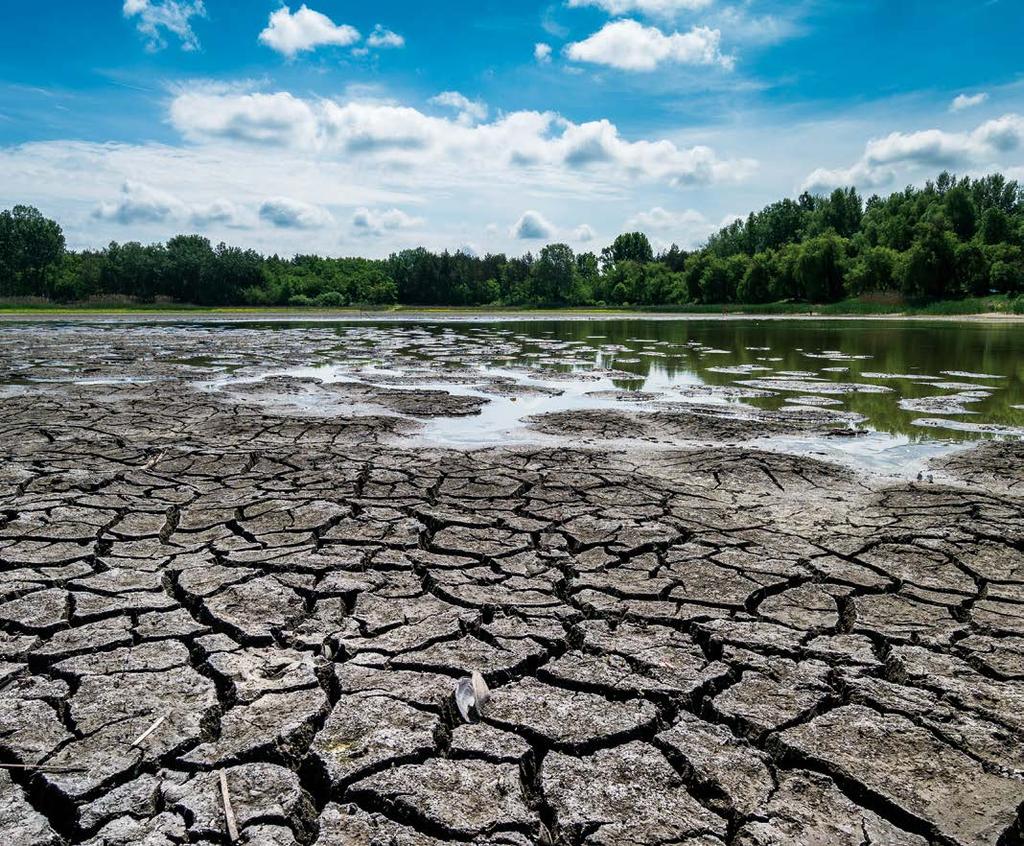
point(276, 315)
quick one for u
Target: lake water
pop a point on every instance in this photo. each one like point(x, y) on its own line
point(920, 387)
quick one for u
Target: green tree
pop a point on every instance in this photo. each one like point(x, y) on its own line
point(995, 226)
point(587, 279)
point(721, 277)
point(693, 272)
point(553, 275)
point(841, 212)
point(872, 271)
point(972, 269)
point(961, 213)
point(928, 269)
point(1007, 277)
point(756, 284)
point(631, 246)
point(190, 258)
point(821, 267)
point(31, 250)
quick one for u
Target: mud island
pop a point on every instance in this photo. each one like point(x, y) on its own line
point(237, 596)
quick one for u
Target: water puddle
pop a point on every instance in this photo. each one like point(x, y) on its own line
point(888, 395)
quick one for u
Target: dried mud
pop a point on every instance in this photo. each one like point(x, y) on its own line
point(703, 647)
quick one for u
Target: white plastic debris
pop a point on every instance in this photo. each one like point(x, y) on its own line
point(471, 694)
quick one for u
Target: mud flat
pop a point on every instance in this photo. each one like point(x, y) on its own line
point(701, 646)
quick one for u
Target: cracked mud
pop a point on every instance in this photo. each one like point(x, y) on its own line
point(714, 646)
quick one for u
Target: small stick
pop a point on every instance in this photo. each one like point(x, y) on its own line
point(229, 814)
point(153, 462)
point(138, 740)
point(44, 768)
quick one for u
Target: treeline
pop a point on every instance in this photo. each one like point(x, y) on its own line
point(951, 239)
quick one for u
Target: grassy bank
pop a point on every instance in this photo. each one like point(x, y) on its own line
point(847, 308)
point(1000, 304)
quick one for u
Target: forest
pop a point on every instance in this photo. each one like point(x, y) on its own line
point(950, 239)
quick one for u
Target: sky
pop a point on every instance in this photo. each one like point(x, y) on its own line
point(346, 128)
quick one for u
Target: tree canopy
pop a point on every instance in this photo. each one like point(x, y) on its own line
point(953, 237)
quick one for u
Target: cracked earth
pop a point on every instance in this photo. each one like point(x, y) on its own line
point(684, 646)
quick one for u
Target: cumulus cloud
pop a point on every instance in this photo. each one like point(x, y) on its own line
point(584, 233)
point(375, 222)
point(404, 136)
point(276, 119)
point(660, 8)
point(660, 220)
point(542, 52)
point(289, 34)
point(287, 213)
point(153, 18)
point(928, 149)
point(469, 111)
point(241, 146)
point(140, 203)
point(863, 176)
point(218, 212)
point(687, 228)
point(382, 38)
point(532, 226)
point(629, 45)
point(967, 101)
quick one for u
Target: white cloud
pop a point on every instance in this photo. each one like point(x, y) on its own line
point(469, 111)
point(241, 148)
point(290, 34)
point(822, 180)
point(687, 228)
point(278, 119)
point(287, 213)
point(660, 220)
point(374, 222)
point(542, 52)
point(382, 38)
point(629, 45)
point(967, 101)
point(584, 233)
point(930, 149)
point(153, 17)
point(532, 226)
point(401, 135)
point(747, 27)
point(219, 212)
point(140, 204)
point(661, 8)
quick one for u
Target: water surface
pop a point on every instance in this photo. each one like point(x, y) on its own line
point(918, 387)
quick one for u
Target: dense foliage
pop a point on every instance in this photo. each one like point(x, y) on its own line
point(953, 238)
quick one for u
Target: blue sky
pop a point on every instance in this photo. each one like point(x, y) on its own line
point(347, 128)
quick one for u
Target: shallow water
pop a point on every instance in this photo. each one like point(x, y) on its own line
point(867, 367)
point(921, 388)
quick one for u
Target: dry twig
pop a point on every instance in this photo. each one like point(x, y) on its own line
point(229, 814)
point(138, 740)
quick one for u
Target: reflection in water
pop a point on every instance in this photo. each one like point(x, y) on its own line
point(892, 373)
point(919, 387)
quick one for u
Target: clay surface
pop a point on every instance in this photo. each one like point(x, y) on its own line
point(683, 646)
